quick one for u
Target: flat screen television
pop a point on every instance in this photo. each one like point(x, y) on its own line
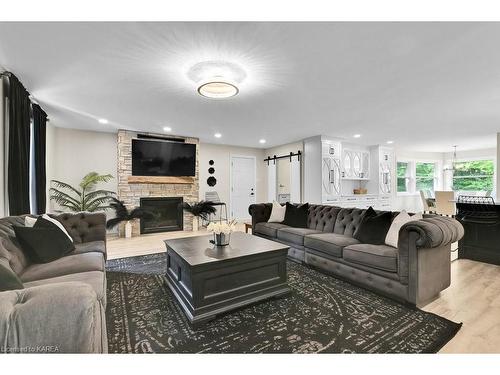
point(163, 158)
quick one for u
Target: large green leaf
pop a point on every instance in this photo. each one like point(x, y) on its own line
point(96, 202)
point(96, 193)
point(62, 197)
point(64, 185)
point(92, 179)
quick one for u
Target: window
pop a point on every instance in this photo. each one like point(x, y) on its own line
point(424, 176)
point(413, 176)
point(402, 171)
point(474, 175)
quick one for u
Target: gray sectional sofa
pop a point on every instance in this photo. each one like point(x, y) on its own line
point(63, 303)
point(415, 272)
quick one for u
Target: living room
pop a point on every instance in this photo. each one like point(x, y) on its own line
point(249, 187)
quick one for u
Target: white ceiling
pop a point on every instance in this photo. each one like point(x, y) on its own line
point(427, 86)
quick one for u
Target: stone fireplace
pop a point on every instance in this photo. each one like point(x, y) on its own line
point(132, 188)
point(166, 215)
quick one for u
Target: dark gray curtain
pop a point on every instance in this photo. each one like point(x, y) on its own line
point(39, 125)
point(19, 148)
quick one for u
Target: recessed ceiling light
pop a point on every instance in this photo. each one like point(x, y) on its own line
point(167, 129)
point(103, 121)
point(262, 141)
point(357, 135)
point(217, 135)
point(218, 88)
point(390, 142)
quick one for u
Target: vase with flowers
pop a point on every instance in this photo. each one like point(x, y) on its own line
point(222, 231)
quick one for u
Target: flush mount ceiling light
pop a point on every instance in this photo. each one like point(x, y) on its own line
point(357, 135)
point(167, 129)
point(218, 89)
point(217, 79)
point(217, 135)
point(102, 121)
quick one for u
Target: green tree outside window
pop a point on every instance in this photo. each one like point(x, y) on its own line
point(402, 177)
point(476, 175)
point(425, 176)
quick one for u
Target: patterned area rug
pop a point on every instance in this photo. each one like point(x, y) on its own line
point(322, 314)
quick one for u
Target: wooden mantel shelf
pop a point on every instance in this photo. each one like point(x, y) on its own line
point(160, 180)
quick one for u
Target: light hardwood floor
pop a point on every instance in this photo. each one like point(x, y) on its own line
point(473, 297)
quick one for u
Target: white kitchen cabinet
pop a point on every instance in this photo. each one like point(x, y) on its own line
point(386, 170)
point(355, 165)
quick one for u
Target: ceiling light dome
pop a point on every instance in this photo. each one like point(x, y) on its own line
point(218, 88)
point(217, 79)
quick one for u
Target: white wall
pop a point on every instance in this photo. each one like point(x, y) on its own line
point(71, 154)
point(221, 155)
point(284, 149)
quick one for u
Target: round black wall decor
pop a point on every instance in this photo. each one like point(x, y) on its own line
point(211, 170)
point(211, 162)
point(211, 181)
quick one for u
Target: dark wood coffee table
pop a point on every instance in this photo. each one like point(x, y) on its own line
point(208, 280)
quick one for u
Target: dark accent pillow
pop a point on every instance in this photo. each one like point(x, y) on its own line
point(43, 243)
point(296, 216)
point(373, 227)
point(8, 278)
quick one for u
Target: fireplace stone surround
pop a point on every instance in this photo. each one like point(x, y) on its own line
point(150, 187)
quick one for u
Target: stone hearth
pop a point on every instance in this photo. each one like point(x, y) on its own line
point(131, 193)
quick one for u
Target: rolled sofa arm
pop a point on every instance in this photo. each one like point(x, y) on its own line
point(424, 253)
point(53, 318)
point(433, 231)
point(260, 212)
point(84, 226)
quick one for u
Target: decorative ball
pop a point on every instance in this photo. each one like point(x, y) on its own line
point(211, 181)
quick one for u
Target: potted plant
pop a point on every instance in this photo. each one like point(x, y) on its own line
point(124, 214)
point(199, 209)
point(85, 197)
point(222, 231)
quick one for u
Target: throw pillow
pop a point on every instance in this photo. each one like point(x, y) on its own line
point(59, 225)
point(30, 221)
point(373, 227)
point(296, 216)
point(393, 234)
point(43, 243)
point(8, 278)
point(277, 213)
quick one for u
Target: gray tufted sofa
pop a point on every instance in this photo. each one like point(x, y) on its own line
point(415, 272)
point(63, 303)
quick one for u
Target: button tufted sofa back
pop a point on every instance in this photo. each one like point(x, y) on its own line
point(348, 220)
point(9, 247)
point(84, 226)
point(322, 217)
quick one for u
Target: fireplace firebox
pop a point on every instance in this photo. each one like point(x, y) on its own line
point(166, 213)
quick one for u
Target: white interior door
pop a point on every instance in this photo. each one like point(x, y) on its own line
point(295, 196)
point(242, 186)
point(271, 182)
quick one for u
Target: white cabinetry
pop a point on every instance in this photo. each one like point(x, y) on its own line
point(331, 171)
point(355, 165)
point(333, 168)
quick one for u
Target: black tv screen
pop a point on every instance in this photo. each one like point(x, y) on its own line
point(163, 158)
